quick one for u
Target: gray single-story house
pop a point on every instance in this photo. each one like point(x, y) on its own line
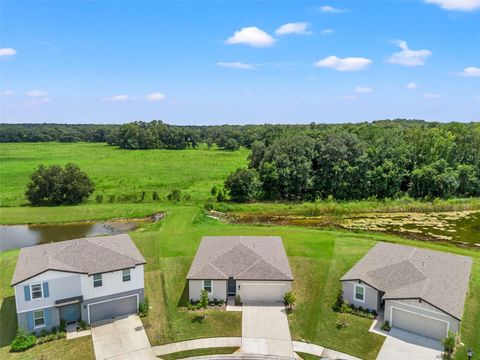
point(255, 268)
point(88, 279)
point(418, 290)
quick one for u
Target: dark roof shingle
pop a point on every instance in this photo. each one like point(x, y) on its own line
point(241, 257)
point(87, 255)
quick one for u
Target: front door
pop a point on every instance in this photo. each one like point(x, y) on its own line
point(232, 286)
point(70, 313)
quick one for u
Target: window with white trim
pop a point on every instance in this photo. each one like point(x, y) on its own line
point(126, 276)
point(37, 291)
point(97, 280)
point(359, 293)
point(38, 318)
point(207, 285)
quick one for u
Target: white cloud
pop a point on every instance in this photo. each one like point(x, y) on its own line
point(156, 97)
point(409, 57)
point(327, 31)
point(363, 90)
point(236, 65)
point(252, 36)
point(431, 95)
point(459, 5)
point(412, 85)
point(300, 28)
point(345, 64)
point(470, 71)
point(7, 52)
point(331, 9)
point(36, 93)
point(8, 93)
point(117, 98)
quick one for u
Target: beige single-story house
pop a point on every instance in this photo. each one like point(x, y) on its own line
point(418, 290)
point(255, 268)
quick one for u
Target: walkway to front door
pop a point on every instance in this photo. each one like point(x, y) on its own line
point(265, 330)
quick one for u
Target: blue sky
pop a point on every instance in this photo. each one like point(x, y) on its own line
point(239, 62)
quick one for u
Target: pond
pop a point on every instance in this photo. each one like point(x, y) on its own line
point(18, 236)
point(460, 227)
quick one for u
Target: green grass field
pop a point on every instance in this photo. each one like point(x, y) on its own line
point(318, 257)
point(120, 172)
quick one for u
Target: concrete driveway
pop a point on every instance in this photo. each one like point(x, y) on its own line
point(404, 345)
point(265, 330)
point(121, 339)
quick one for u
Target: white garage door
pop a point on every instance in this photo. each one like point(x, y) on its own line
point(418, 324)
point(270, 292)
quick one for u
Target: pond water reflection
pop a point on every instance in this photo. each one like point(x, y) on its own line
point(18, 236)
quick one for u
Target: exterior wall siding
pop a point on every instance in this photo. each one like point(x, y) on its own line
point(371, 295)
point(54, 317)
point(422, 308)
point(287, 285)
point(60, 286)
point(112, 283)
point(219, 289)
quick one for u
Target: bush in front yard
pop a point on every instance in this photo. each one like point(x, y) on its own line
point(23, 341)
point(289, 299)
point(144, 307)
point(385, 326)
point(449, 344)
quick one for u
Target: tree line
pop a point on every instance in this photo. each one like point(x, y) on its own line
point(379, 160)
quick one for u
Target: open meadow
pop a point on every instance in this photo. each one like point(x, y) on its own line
point(319, 257)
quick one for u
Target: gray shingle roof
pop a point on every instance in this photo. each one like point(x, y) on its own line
point(241, 257)
point(88, 255)
point(438, 278)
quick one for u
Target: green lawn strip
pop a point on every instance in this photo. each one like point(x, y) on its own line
point(199, 352)
point(76, 349)
point(84, 212)
point(120, 172)
point(306, 356)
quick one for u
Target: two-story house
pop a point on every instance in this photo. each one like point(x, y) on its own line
point(88, 279)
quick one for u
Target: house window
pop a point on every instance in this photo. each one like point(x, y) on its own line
point(37, 291)
point(38, 318)
point(207, 285)
point(359, 294)
point(97, 280)
point(126, 275)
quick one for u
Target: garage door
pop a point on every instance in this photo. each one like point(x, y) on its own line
point(419, 324)
point(113, 308)
point(263, 292)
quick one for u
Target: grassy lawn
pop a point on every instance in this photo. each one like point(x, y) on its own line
point(318, 259)
point(199, 352)
point(77, 349)
point(120, 172)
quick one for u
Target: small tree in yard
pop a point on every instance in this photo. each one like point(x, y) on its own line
point(289, 299)
point(243, 185)
point(203, 299)
point(54, 185)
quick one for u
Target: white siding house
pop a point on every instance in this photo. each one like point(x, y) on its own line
point(86, 279)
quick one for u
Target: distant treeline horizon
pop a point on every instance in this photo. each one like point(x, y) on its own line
point(382, 159)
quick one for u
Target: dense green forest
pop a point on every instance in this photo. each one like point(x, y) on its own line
point(379, 160)
point(382, 159)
